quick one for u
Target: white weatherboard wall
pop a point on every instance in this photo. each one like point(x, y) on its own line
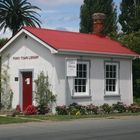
point(55, 66)
point(27, 47)
point(97, 85)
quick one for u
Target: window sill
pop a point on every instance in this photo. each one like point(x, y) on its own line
point(80, 96)
point(112, 95)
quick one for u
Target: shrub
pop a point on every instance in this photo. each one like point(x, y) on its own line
point(43, 94)
point(62, 110)
point(43, 109)
point(92, 109)
point(78, 113)
point(83, 110)
point(30, 110)
point(134, 108)
point(74, 108)
point(120, 107)
point(106, 108)
point(18, 109)
point(6, 92)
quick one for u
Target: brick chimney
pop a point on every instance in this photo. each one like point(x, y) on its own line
point(98, 23)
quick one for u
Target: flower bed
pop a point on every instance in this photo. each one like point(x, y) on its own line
point(76, 109)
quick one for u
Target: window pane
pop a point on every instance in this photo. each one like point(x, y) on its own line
point(84, 81)
point(111, 68)
point(84, 67)
point(79, 88)
point(84, 74)
point(76, 82)
point(84, 88)
point(114, 68)
point(76, 89)
point(77, 67)
point(80, 67)
point(110, 77)
point(107, 74)
point(107, 67)
point(79, 81)
point(110, 81)
point(114, 74)
point(81, 78)
point(77, 74)
point(113, 81)
point(114, 88)
point(80, 74)
point(107, 88)
point(107, 82)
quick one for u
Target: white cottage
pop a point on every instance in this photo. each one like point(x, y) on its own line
point(82, 68)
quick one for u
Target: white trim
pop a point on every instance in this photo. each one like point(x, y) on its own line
point(106, 54)
point(87, 93)
point(21, 71)
point(110, 93)
point(131, 80)
point(53, 51)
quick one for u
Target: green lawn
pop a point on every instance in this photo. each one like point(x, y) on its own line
point(38, 118)
point(9, 120)
point(73, 117)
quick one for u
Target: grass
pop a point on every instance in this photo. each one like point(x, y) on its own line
point(9, 120)
point(73, 117)
point(58, 117)
point(38, 118)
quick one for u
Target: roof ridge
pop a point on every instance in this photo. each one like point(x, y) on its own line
point(72, 32)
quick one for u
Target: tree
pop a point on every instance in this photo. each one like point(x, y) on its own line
point(3, 41)
point(130, 15)
point(95, 6)
point(17, 13)
point(132, 41)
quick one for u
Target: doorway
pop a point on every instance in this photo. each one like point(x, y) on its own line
point(26, 89)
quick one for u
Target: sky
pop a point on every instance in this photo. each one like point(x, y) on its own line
point(58, 14)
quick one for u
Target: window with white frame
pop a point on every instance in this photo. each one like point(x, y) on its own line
point(81, 81)
point(111, 78)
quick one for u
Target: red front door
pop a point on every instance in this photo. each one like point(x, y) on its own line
point(26, 89)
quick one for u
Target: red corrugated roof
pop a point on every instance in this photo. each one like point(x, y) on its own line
point(62, 40)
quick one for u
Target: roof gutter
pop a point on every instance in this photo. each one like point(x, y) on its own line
point(90, 53)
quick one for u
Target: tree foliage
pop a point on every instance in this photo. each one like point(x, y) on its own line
point(95, 6)
point(130, 15)
point(3, 41)
point(17, 13)
point(130, 22)
point(132, 41)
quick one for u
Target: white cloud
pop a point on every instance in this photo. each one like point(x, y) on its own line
point(49, 11)
point(54, 3)
point(6, 34)
point(70, 29)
